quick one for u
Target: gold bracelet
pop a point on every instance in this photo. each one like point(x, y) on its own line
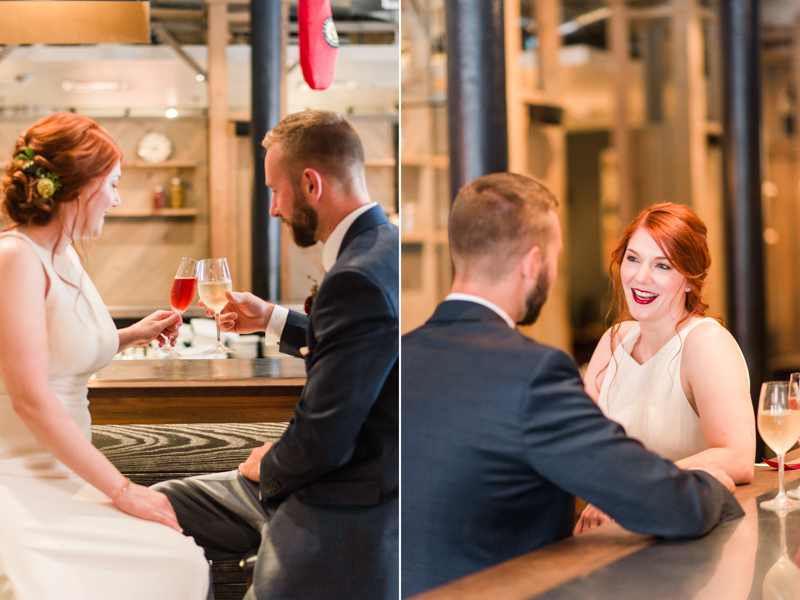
point(124, 487)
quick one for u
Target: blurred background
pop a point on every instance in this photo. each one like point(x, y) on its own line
point(615, 105)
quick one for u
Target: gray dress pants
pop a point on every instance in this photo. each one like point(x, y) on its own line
point(221, 511)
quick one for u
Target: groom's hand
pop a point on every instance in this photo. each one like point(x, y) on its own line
point(244, 313)
point(250, 467)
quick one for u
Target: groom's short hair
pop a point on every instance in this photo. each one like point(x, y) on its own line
point(494, 220)
point(322, 140)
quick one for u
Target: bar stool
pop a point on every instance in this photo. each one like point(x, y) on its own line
point(248, 565)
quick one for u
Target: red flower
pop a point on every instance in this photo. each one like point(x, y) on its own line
point(310, 299)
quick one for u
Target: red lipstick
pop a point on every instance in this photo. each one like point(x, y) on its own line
point(642, 297)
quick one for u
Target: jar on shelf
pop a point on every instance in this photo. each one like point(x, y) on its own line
point(159, 198)
point(176, 194)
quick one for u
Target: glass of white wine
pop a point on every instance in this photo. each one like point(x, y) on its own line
point(779, 426)
point(794, 402)
point(214, 280)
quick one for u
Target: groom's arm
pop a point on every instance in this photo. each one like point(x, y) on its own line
point(293, 336)
point(572, 444)
point(356, 334)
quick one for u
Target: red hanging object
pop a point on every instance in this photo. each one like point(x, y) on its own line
point(319, 42)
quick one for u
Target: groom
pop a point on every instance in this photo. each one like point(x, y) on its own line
point(498, 433)
point(321, 504)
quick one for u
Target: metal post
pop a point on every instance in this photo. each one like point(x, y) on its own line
point(476, 90)
point(266, 60)
point(741, 46)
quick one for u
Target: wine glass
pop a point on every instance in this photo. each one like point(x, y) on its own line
point(779, 426)
point(183, 287)
point(215, 280)
point(794, 402)
point(783, 578)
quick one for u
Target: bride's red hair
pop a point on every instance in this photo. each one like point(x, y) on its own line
point(71, 146)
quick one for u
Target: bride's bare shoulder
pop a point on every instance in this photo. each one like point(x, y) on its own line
point(619, 335)
point(15, 249)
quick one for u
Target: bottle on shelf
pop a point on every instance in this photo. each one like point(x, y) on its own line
point(159, 199)
point(176, 195)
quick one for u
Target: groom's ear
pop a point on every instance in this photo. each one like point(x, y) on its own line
point(531, 263)
point(312, 184)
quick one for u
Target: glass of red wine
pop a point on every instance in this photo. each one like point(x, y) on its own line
point(183, 288)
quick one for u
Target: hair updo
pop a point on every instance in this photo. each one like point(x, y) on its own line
point(71, 146)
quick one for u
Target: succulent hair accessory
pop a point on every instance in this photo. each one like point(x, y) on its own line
point(47, 182)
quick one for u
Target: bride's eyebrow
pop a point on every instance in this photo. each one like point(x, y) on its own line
point(632, 251)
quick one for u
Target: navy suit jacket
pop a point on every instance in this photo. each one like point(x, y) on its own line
point(332, 478)
point(498, 438)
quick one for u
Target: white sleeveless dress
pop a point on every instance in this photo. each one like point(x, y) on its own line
point(648, 399)
point(60, 538)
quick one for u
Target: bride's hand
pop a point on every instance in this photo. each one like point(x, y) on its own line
point(147, 504)
point(161, 323)
point(590, 517)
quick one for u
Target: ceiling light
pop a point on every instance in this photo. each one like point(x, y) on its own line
point(88, 87)
point(200, 77)
point(172, 113)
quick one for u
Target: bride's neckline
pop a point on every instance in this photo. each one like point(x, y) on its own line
point(629, 343)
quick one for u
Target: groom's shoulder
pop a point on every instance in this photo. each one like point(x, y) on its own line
point(374, 252)
point(379, 242)
point(539, 355)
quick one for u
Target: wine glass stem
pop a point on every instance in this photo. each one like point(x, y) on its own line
point(781, 493)
point(784, 550)
point(170, 341)
point(219, 343)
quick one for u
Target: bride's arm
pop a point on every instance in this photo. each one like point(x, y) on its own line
point(24, 370)
point(714, 377)
point(596, 371)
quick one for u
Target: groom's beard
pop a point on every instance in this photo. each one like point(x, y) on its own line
point(304, 221)
point(536, 299)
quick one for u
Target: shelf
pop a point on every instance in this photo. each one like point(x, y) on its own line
point(170, 164)
point(140, 312)
point(437, 161)
point(422, 237)
point(380, 162)
point(154, 212)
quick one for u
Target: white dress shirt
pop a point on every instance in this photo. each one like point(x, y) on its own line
point(330, 251)
point(483, 302)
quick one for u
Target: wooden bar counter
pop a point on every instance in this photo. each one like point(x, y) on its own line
point(732, 562)
point(249, 390)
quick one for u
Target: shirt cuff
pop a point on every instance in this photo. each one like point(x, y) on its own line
point(275, 326)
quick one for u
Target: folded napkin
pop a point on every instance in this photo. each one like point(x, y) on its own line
point(786, 467)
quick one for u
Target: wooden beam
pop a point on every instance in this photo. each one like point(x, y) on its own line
point(690, 110)
point(517, 115)
point(619, 40)
point(222, 229)
point(649, 13)
point(548, 19)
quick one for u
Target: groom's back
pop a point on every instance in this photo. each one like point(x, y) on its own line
point(470, 496)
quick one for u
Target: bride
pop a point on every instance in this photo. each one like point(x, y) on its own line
point(72, 527)
point(675, 379)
